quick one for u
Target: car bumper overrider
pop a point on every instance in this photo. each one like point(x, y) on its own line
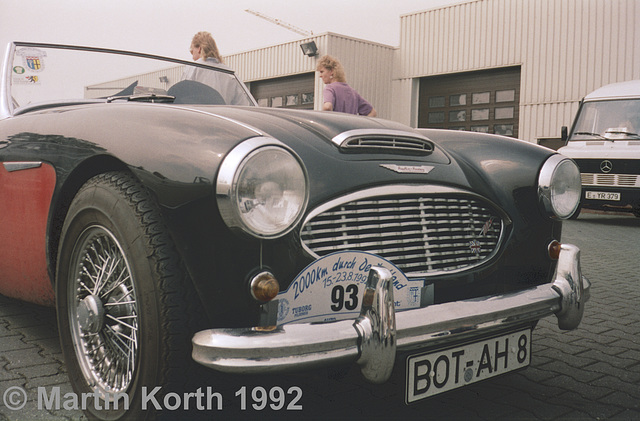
point(373, 339)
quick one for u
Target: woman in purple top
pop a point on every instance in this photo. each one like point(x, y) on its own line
point(338, 96)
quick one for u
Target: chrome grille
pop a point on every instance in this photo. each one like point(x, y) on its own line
point(384, 141)
point(402, 143)
point(617, 180)
point(426, 234)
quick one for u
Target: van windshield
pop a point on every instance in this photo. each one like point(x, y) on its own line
point(610, 120)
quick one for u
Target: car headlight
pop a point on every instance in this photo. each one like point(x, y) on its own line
point(262, 188)
point(559, 187)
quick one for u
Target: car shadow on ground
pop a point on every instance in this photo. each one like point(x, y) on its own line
point(617, 219)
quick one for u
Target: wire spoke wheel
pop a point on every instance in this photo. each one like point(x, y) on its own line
point(126, 307)
point(103, 313)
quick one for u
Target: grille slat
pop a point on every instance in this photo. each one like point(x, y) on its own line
point(424, 235)
point(407, 236)
point(609, 180)
point(400, 143)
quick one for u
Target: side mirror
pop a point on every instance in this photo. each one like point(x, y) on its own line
point(564, 133)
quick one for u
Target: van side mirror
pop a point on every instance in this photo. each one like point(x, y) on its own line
point(564, 133)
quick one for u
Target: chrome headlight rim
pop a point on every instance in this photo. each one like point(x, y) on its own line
point(227, 183)
point(547, 183)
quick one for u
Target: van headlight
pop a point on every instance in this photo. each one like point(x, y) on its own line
point(559, 187)
point(262, 188)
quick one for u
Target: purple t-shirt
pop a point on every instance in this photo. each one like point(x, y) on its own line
point(345, 99)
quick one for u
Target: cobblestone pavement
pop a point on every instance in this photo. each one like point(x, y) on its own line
point(589, 373)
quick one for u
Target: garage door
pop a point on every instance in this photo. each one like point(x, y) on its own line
point(483, 101)
point(287, 92)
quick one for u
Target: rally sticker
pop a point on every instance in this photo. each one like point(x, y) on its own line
point(332, 287)
point(26, 80)
point(32, 58)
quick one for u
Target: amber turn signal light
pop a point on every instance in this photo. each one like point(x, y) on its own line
point(264, 287)
point(554, 249)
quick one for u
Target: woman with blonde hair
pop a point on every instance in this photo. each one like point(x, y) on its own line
point(338, 95)
point(204, 46)
point(204, 50)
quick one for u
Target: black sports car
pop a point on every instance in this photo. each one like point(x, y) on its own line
point(170, 220)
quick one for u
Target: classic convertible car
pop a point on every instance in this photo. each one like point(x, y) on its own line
point(174, 223)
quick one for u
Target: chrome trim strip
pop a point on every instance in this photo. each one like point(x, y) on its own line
point(345, 136)
point(303, 346)
point(5, 82)
point(19, 166)
point(409, 169)
point(409, 189)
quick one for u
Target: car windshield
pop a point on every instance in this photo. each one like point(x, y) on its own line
point(50, 74)
point(610, 120)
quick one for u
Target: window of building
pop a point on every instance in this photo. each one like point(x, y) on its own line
point(436, 102)
point(307, 98)
point(480, 114)
point(506, 96)
point(483, 101)
point(457, 100)
point(459, 115)
point(436, 118)
point(481, 98)
point(292, 100)
point(480, 129)
point(290, 92)
point(503, 129)
point(504, 112)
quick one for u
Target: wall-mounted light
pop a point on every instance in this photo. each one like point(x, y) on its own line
point(309, 48)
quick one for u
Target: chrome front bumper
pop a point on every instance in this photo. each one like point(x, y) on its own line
point(374, 337)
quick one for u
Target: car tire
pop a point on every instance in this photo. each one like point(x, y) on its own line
point(125, 306)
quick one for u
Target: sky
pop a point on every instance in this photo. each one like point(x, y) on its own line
point(166, 27)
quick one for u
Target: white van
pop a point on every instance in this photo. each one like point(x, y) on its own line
point(605, 143)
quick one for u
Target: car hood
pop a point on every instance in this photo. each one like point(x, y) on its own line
point(476, 163)
point(282, 124)
point(473, 160)
point(334, 170)
point(483, 164)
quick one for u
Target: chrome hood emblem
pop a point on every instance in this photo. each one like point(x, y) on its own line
point(606, 166)
point(408, 169)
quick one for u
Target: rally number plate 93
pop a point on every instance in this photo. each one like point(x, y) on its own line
point(441, 371)
point(332, 287)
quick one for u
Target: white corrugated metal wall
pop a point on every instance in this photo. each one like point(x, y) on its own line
point(368, 66)
point(369, 69)
point(278, 61)
point(566, 48)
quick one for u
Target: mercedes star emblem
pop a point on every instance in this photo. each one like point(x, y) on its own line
point(606, 166)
